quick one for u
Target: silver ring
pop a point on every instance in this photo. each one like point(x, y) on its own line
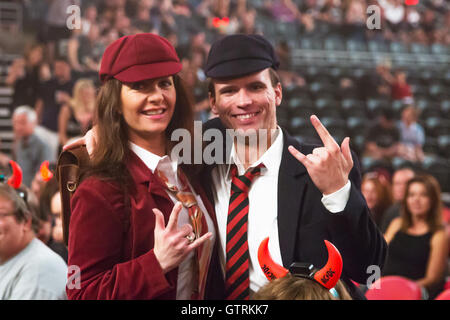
point(190, 237)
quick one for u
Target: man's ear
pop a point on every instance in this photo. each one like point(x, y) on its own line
point(212, 103)
point(28, 224)
point(278, 94)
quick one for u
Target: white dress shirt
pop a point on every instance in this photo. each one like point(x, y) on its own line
point(263, 206)
point(169, 167)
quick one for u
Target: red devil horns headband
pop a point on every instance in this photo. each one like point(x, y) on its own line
point(16, 179)
point(328, 276)
point(46, 174)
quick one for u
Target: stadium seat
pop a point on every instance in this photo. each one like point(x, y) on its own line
point(377, 46)
point(443, 144)
point(375, 104)
point(353, 45)
point(394, 288)
point(436, 126)
point(437, 91)
point(398, 47)
point(357, 125)
point(353, 108)
point(439, 168)
point(295, 104)
point(336, 127)
point(419, 48)
point(445, 108)
point(334, 44)
point(445, 295)
point(327, 107)
point(438, 48)
point(431, 145)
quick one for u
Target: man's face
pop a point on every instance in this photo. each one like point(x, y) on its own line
point(399, 181)
point(21, 125)
point(248, 102)
point(61, 70)
point(12, 232)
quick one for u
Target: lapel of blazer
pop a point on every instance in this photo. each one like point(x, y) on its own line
point(141, 174)
point(291, 188)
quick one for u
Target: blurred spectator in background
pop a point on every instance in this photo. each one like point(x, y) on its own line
point(4, 159)
point(394, 14)
point(288, 77)
point(375, 84)
point(400, 179)
point(50, 231)
point(76, 116)
point(383, 137)
point(88, 19)
point(417, 240)
point(29, 270)
point(56, 28)
point(400, 89)
point(355, 20)
point(23, 77)
point(53, 93)
point(283, 11)
point(29, 149)
point(85, 51)
point(377, 192)
point(412, 136)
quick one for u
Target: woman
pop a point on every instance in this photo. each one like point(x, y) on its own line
point(417, 240)
point(75, 118)
point(376, 190)
point(119, 241)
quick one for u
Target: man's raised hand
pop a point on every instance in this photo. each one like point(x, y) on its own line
point(330, 165)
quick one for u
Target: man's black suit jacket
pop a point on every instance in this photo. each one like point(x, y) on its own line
point(304, 223)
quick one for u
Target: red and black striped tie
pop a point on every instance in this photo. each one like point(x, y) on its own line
point(237, 267)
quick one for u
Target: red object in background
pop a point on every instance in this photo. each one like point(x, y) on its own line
point(445, 295)
point(394, 288)
point(46, 174)
point(217, 22)
point(411, 2)
point(16, 179)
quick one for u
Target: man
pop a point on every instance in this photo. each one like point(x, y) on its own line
point(303, 194)
point(28, 268)
point(399, 181)
point(53, 94)
point(383, 138)
point(29, 149)
point(290, 200)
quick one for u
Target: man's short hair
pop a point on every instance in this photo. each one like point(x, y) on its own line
point(21, 211)
point(28, 111)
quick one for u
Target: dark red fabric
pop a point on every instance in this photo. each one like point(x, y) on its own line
point(117, 262)
point(400, 91)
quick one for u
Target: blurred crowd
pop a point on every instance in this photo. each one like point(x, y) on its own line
point(55, 81)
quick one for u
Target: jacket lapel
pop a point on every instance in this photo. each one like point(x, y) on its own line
point(292, 186)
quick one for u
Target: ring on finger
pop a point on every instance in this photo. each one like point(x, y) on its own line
point(190, 237)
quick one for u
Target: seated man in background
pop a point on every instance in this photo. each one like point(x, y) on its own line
point(383, 138)
point(29, 149)
point(28, 268)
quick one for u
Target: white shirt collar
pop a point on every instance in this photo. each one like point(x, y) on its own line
point(153, 161)
point(271, 158)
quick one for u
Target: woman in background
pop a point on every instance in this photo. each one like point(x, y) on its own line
point(417, 239)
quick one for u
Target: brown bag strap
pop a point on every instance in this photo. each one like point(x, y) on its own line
point(69, 167)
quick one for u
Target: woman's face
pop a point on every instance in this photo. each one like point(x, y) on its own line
point(417, 199)
point(147, 108)
point(87, 94)
point(369, 192)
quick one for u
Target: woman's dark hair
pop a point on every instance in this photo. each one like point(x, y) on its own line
point(111, 149)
